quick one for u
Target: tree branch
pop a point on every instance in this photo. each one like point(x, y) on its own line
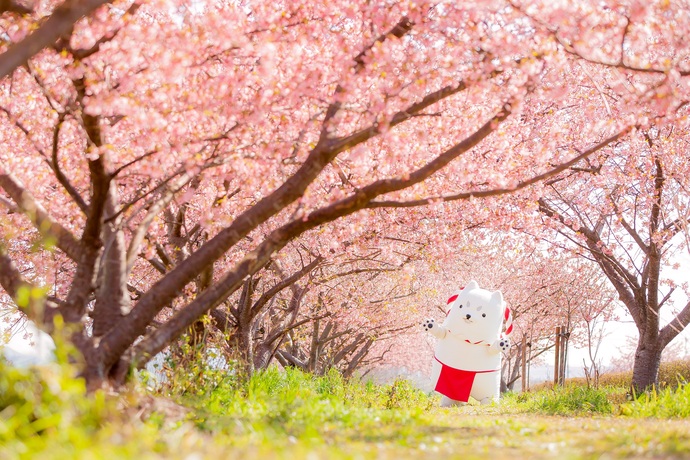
point(290, 359)
point(153, 211)
point(348, 348)
point(115, 344)
point(289, 281)
point(570, 49)
point(80, 54)
point(59, 175)
point(626, 225)
point(399, 30)
point(356, 360)
point(38, 216)
point(654, 255)
point(22, 292)
point(58, 24)
point(675, 327)
point(12, 7)
point(623, 281)
point(502, 191)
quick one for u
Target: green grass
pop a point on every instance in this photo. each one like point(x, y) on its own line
point(666, 403)
point(295, 405)
point(571, 400)
point(45, 414)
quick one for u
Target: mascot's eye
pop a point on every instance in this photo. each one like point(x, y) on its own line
point(483, 315)
point(460, 306)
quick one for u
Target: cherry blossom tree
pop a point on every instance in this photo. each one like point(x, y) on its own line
point(625, 209)
point(631, 230)
point(269, 121)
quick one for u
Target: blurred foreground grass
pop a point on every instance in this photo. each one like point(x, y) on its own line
point(45, 414)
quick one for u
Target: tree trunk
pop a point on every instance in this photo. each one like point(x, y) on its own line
point(262, 356)
point(646, 367)
point(245, 347)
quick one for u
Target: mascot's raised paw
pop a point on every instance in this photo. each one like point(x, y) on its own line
point(504, 343)
point(428, 324)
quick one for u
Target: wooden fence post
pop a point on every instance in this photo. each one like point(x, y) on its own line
point(557, 366)
point(524, 363)
point(564, 348)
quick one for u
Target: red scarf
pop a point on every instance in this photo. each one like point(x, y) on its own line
point(456, 383)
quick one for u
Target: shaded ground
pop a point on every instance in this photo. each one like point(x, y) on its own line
point(466, 433)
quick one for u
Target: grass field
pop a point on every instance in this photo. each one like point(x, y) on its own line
point(281, 415)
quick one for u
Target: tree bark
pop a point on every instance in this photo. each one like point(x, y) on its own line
point(245, 347)
point(262, 356)
point(112, 298)
point(646, 367)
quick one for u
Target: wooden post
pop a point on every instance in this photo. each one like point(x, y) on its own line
point(557, 366)
point(529, 362)
point(524, 362)
point(564, 349)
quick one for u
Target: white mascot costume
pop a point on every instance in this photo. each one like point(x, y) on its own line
point(467, 360)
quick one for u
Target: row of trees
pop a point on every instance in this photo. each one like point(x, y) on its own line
point(354, 313)
point(146, 187)
point(544, 289)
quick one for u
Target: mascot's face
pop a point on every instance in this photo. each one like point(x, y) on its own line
point(475, 314)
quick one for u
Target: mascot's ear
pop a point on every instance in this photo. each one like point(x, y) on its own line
point(496, 298)
point(471, 285)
